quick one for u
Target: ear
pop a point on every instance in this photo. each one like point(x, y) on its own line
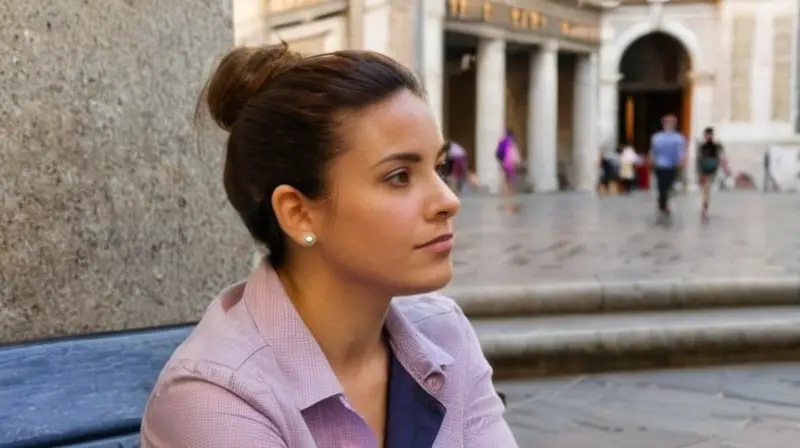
point(293, 213)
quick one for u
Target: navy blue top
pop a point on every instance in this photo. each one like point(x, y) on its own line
point(413, 416)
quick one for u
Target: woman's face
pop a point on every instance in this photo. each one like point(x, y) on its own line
point(388, 200)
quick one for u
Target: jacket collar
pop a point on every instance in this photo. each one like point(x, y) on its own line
point(299, 356)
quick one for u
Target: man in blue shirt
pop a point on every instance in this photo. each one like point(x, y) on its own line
point(667, 155)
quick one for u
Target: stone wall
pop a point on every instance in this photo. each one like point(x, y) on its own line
point(402, 32)
point(741, 70)
point(111, 205)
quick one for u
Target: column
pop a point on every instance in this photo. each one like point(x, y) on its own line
point(543, 118)
point(796, 77)
point(584, 125)
point(248, 23)
point(355, 24)
point(430, 59)
point(377, 25)
point(608, 99)
point(490, 109)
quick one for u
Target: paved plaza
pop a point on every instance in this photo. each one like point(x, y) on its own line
point(734, 407)
point(567, 237)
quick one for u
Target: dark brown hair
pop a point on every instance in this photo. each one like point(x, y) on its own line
point(282, 111)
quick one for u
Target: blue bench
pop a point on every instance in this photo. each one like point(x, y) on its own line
point(86, 392)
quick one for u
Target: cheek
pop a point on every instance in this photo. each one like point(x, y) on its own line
point(379, 222)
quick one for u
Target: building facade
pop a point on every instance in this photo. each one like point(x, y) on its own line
point(729, 64)
point(571, 78)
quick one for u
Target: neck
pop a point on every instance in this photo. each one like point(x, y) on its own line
point(344, 317)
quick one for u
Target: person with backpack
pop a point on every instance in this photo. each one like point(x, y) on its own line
point(709, 159)
point(510, 160)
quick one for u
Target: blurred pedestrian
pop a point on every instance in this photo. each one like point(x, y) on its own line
point(628, 159)
point(668, 155)
point(609, 172)
point(510, 161)
point(457, 166)
point(709, 160)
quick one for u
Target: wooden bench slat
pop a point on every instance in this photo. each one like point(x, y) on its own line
point(79, 389)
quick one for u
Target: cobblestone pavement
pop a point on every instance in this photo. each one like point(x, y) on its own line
point(734, 407)
point(563, 237)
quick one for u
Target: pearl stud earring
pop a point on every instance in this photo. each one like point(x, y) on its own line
point(310, 239)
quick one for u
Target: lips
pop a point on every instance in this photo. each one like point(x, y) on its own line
point(438, 239)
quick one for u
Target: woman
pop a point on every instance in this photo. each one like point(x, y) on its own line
point(628, 160)
point(332, 162)
point(709, 157)
point(510, 160)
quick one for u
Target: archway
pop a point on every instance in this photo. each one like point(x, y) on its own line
point(654, 82)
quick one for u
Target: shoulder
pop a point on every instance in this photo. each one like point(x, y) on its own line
point(227, 340)
point(439, 319)
point(225, 359)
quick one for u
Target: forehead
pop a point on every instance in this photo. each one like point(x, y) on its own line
point(402, 122)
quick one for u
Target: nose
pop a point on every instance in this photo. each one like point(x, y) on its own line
point(445, 203)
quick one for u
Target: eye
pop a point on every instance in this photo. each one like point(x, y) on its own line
point(398, 178)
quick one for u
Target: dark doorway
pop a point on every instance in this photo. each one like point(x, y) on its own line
point(640, 113)
point(654, 83)
point(460, 91)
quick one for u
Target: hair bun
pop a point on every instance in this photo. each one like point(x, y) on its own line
point(240, 75)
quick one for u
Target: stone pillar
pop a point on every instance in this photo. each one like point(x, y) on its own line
point(490, 109)
point(431, 59)
point(608, 105)
point(355, 24)
point(543, 118)
point(584, 124)
point(106, 191)
point(377, 26)
point(248, 23)
point(796, 77)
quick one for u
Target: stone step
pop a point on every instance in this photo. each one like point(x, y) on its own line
point(554, 345)
point(617, 296)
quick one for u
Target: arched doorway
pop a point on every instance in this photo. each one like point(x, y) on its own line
point(655, 82)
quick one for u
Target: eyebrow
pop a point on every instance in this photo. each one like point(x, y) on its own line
point(410, 157)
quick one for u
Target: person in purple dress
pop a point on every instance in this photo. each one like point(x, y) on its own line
point(510, 160)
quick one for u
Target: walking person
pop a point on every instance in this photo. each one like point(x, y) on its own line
point(457, 166)
point(628, 159)
point(708, 162)
point(510, 160)
point(770, 184)
point(667, 156)
point(609, 172)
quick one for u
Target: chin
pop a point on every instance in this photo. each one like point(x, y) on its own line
point(427, 280)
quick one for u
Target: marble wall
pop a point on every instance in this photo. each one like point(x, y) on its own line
point(111, 204)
